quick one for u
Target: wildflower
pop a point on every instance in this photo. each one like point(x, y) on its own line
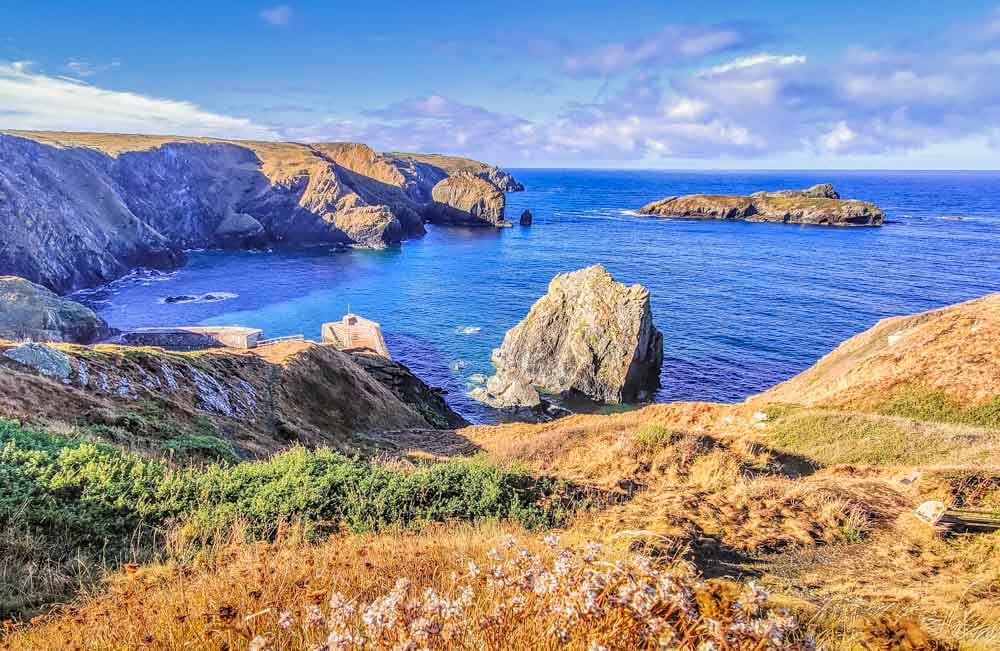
point(591, 551)
point(314, 616)
point(551, 540)
point(473, 569)
point(259, 643)
point(285, 619)
point(596, 646)
point(508, 542)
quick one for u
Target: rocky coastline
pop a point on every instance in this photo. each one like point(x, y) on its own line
point(80, 210)
point(819, 205)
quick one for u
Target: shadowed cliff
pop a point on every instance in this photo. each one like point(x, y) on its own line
point(79, 210)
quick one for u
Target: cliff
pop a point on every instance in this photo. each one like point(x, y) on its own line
point(82, 209)
point(257, 401)
point(819, 205)
point(32, 312)
point(588, 336)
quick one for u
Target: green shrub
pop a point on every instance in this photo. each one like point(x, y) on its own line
point(928, 404)
point(201, 447)
point(652, 438)
point(92, 494)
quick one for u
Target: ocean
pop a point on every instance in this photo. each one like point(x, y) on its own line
point(741, 306)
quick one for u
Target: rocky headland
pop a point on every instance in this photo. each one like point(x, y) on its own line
point(32, 312)
point(819, 205)
point(256, 401)
point(589, 336)
point(79, 210)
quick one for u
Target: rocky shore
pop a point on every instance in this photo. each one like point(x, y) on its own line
point(819, 205)
point(79, 210)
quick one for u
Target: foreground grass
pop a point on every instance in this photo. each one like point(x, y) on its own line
point(68, 501)
point(457, 588)
point(835, 438)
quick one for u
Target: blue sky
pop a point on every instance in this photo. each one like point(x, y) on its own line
point(703, 84)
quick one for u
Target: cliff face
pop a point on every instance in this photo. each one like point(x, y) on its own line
point(261, 401)
point(819, 205)
point(82, 209)
point(589, 335)
point(29, 311)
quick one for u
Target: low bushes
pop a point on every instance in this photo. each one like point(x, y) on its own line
point(94, 492)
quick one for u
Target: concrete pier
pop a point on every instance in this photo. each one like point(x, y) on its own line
point(354, 334)
point(194, 337)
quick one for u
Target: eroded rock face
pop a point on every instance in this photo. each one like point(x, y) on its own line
point(32, 312)
point(467, 200)
point(589, 336)
point(300, 392)
point(80, 210)
point(819, 205)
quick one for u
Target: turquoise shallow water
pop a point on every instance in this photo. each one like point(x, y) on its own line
point(742, 306)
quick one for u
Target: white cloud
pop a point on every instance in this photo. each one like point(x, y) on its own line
point(671, 44)
point(86, 69)
point(839, 139)
point(32, 100)
point(277, 15)
point(754, 60)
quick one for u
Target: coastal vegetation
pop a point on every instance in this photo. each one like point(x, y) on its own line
point(786, 521)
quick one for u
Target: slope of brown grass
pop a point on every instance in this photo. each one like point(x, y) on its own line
point(458, 589)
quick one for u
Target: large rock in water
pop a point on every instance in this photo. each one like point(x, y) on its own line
point(819, 205)
point(588, 336)
point(29, 311)
point(79, 209)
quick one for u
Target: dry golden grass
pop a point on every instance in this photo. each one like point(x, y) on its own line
point(460, 588)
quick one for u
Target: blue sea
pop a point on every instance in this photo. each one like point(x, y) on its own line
point(742, 306)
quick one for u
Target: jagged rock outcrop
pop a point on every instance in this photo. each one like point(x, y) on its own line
point(263, 401)
point(467, 200)
point(526, 218)
point(79, 210)
point(32, 312)
point(427, 401)
point(819, 205)
point(588, 336)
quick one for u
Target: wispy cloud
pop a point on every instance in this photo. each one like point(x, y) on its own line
point(33, 100)
point(87, 69)
point(671, 44)
point(278, 15)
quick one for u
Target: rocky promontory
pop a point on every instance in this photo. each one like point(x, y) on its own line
point(818, 205)
point(260, 401)
point(79, 210)
point(589, 336)
point(32, 312)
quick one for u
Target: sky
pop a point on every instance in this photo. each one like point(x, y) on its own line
point(689, 85)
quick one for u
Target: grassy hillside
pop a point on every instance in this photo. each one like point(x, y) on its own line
point(790, 516)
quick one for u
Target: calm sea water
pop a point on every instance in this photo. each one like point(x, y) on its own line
point(742, 306)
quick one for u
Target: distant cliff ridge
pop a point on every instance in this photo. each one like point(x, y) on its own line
point(79, 210)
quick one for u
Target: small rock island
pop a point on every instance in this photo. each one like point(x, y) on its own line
point(819, 205)
point(589, 336)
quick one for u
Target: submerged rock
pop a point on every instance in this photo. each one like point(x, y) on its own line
point(30, 311)
point(526, 218)
point(588, 336)
point(818, 205)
